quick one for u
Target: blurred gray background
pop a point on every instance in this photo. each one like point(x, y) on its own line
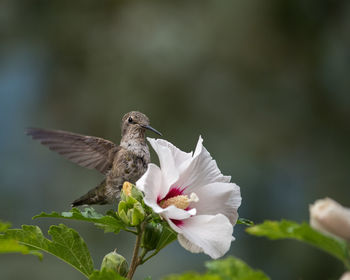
point(266, 83)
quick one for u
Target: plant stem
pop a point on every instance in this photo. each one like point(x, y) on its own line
point(143, 254)
point(135, 261)
point(150, 256)
point(130, 230)
point(347, 259)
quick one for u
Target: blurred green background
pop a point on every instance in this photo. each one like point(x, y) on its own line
point(266, 83)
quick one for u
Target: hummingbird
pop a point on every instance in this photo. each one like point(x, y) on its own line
point(127, 161)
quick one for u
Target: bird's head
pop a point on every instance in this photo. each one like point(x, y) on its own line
point(135, 123)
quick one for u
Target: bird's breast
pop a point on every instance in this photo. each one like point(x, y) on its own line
point(129, 166)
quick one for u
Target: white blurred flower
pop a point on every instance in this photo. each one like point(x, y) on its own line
point(197, 201)
point(329, 217)
point(346, 276)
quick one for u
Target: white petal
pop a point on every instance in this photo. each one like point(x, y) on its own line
point(345, 276)
point(167, 163)
point(212, 234)
point(181, 158)
point(330, 217)
point(184, 242)
point(171, 212)
point(202, 170)
point(215, 198)
point(173, 226)
point(151, 182)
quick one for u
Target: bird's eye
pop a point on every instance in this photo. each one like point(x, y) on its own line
point(130, 119)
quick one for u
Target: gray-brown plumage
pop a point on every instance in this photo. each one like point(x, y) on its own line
point(126, 162)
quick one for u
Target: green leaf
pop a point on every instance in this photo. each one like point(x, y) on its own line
point(301, 232)
point(66, 244)
point(234, 269)
point(246, 222)
point(105, 274)
point(192, 276)
point(4, 226)
point(13, 246)
point(9, 245)
point(227, 269)
point(166, 237)
point(108, 222)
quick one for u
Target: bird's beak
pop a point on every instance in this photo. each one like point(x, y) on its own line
point(152, 129)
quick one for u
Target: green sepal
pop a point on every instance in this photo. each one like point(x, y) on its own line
point(245, 222)
point(105, 274)
point(124, 217)
point(136, 193)
point(167, 236)
point(122, 206)
point(131, 211)
point(131, 201)
point(138, 214)
point(129, 215)
point(123, 196)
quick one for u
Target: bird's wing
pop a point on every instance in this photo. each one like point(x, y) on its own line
point(87, 151)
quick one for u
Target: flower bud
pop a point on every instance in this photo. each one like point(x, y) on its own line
point(329, 217)
point(346, 276)
point(116, 262)
point(122, 206)
point(130, 191)
point(127, 186)
point(137, 215)
point(151, 236)
point(130, 201)
point(131, 212)
point(122, 210)
point(124, 217)
point(136, 193)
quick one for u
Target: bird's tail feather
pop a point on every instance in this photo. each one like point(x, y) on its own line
point(94, 196)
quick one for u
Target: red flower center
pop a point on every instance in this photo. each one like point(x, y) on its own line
point(174, 193)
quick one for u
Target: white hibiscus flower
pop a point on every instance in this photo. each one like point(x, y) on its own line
point(192, 195)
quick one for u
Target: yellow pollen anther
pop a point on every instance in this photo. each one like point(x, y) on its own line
point(127, 186)
point(179, 201)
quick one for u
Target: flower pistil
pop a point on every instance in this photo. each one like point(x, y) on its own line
point(180, 201)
